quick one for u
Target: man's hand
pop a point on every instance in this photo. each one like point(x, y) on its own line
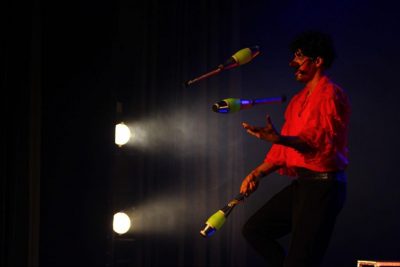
point(267, 133)
point(249, 184)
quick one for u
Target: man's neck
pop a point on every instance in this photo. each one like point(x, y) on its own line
point(314, 82)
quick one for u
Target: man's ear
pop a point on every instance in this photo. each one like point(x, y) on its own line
point(319, 62)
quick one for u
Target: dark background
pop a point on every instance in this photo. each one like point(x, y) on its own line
point(66, 64)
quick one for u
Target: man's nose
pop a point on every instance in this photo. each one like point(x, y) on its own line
point(294, 64)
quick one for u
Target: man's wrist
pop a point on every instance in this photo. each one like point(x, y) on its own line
point(258, 174)
point(279, 140)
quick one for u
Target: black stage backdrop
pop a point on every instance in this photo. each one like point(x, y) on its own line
point(67, 64)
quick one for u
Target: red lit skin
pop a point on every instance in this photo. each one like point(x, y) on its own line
point(309, 72)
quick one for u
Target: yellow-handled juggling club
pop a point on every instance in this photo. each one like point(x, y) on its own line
point(217, 220)
point(241, 57)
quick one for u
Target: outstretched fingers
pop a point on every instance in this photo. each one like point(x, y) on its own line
point(246, 125)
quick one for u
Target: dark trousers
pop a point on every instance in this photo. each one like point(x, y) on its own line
point(307, 209)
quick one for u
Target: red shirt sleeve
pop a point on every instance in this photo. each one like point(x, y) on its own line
point(277, 156)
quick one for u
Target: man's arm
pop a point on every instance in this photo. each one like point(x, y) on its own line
point(294, 142)
point(250, 183)
point(268, 133)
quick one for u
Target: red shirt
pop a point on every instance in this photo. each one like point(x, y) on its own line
point(321, 119)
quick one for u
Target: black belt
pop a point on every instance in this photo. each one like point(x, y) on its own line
point(312, 175)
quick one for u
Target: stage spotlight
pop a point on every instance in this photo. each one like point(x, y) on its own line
point(122, 134)
point(121, 223)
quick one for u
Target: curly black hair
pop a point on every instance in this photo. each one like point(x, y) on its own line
point(315, 44)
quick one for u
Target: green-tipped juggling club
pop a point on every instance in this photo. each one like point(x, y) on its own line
point(241, 57)
point(217, 220)
point(230, 105)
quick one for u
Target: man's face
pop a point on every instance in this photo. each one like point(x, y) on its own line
point(305, 67)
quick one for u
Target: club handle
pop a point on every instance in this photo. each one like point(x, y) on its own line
point(229, 207)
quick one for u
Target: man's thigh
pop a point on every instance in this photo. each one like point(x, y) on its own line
point(273, 220)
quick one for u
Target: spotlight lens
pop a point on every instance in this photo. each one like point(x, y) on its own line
point(122, 134)
point(121, 223)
